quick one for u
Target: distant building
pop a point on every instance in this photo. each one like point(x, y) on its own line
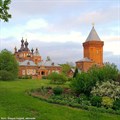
point(31, 63)
point(93, 52)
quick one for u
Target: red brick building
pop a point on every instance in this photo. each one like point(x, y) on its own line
point(31, 63)
point(93, 52)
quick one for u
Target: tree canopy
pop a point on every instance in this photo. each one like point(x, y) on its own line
point(4, 7)
point(8, 65)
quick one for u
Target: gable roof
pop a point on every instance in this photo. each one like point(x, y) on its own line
point(47, 63)
point(27, 63)
point(85, 60)
point(93, 36)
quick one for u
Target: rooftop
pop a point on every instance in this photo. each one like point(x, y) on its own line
point(93, 36)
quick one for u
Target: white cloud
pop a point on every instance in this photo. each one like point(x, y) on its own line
point(34, 24)
point(58, 37)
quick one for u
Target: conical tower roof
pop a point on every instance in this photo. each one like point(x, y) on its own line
point(93, 36)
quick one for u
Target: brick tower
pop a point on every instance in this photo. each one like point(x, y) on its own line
point(92, 53)
point(93, 47)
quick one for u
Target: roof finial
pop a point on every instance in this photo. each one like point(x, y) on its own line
point(93, 24)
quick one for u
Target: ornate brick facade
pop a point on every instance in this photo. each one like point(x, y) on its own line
point(31, 63)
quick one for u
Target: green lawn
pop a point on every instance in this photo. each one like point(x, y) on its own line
point(14, 102)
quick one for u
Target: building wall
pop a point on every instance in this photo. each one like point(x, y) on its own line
point(27, 70)
point(94, 51)
point(84, 65)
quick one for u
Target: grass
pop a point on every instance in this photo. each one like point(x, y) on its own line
point(15, 103)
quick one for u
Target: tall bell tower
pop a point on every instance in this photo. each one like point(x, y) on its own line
point(93, 47)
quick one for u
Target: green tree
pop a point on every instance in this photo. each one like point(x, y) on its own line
point(8, 63)
point(107, 72)
point(65, 68)
point(76, 72)
point(82, 83)
point(4, 7)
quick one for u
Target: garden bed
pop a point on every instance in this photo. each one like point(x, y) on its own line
point(67, 98)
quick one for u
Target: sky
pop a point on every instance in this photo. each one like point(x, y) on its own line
point(59, 27)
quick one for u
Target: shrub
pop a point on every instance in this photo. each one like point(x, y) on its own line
point(107, 72)
point(82, 84)
point(5, 75)
point(44, 77)
point(70, 79)
point(107, 102)
point(27, 77)
point(116, 104)
point(110, 89)
point(58, 90)
point(118, 78)
point(57, 78)
point(96, 101)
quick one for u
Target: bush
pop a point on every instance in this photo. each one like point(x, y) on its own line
point(44, 77)
point(82, 84)
point(5, 75)
point(107, 72)
point(116, 104)
point(110, 89)
point(118, 78)
point(107, 102)
point(58, 90)
point(57, 78)
point(26, 77)
point(70, 79)
point(96, 101)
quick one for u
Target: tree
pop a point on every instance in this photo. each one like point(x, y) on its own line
point(4, 7)
point(105, 73)
point(65, 68)
point(82, 83)
point(8, 64)
point(76, 72)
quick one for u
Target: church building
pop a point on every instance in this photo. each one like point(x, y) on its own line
point(92, 52)
point(31, 63)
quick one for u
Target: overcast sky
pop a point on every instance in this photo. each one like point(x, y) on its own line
point(59, 27)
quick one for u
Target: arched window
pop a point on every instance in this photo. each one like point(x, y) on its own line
point(43, 73)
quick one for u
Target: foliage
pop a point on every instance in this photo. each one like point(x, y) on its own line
point(110, 89)
point(107, 102)
point(8, 63)
point(14, 102)
point(76, 72)
point(96, 101)
point(82, 84)
point(118, 78)
point(116, 104)
point(107, 72)
point(57, 90)
point(57, 78)
point(26, 77)
point(65, 68)
point(70, 79)
point(4, 7)
point(44, 77)
point(5, 75)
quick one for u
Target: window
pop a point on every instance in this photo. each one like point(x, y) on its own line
point(23, 72)
point(28, 72)
point(42, 73)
